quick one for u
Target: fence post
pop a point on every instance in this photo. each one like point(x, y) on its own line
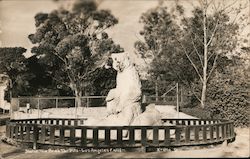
point(181, 96)
point(18, 102)
point(177, 99)
point(119, 136)
point(35, 137)
point(144, 136)
point(87, 102)
point(177, 135)
point(7, 128)
point(83, 136)
point(167, 136)
point(156, 90)
point(156, 136)
point(38, 107)
point(56, 102)
point(107, 136)
point(131, 136)
point(95, 137)
point(76, 103)
point(187, 134)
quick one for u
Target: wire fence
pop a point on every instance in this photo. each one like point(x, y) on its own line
point(57, 102)
point(40, 107)
point(28, 107)
point(86, 101)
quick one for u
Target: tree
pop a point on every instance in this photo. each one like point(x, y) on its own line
point(13, 66)
point(210, 35)
point(160, 46)
point(188, 49)
point(74, 43)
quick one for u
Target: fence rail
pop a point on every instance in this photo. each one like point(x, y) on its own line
point(24, 104)
point(57, 101)
point(169, 100)
point(73, 133)
point(86, 101)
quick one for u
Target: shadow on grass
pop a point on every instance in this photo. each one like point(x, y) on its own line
point(76, 155)
point(81, 155)
point(13, 153)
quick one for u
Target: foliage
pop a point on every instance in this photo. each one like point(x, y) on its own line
point(102, 80)
point(13, 65)
point(219, 25)
point(176, 46)
point(160, 45)
point(229, 96)
point(33, 81)
point(209, 36)
point(12, 59)
point(148, 88)
point(40, 82)
point(72, 44)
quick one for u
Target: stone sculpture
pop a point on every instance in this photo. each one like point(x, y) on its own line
point(124, 101)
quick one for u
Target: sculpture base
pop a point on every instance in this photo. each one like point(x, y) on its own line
point(150, 117)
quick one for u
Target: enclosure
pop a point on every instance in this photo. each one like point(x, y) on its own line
point(38, 133)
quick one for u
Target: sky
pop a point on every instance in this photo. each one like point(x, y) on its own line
point(17, 19)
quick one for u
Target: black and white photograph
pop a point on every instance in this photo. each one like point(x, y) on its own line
point(124, 79)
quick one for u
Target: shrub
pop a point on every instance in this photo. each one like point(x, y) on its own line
point(228, 100)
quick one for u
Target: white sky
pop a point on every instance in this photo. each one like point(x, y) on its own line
point(17, 19)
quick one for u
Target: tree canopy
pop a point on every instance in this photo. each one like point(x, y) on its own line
point(73, 43)
point(160, 45)
point(188, 50)
point(13, 65)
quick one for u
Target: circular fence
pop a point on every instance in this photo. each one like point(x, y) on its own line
point(73, 133)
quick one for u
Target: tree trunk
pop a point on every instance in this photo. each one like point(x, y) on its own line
point(203, 94)
point(156, 91)
point(78, 95)
point(204, 82)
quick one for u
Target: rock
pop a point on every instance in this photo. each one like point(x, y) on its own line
point(151, 116)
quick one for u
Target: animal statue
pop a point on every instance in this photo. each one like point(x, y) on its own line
point(125, 98)
point(124, 101)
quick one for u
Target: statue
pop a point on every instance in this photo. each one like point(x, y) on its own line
point(125, 98)
point(124, 101)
